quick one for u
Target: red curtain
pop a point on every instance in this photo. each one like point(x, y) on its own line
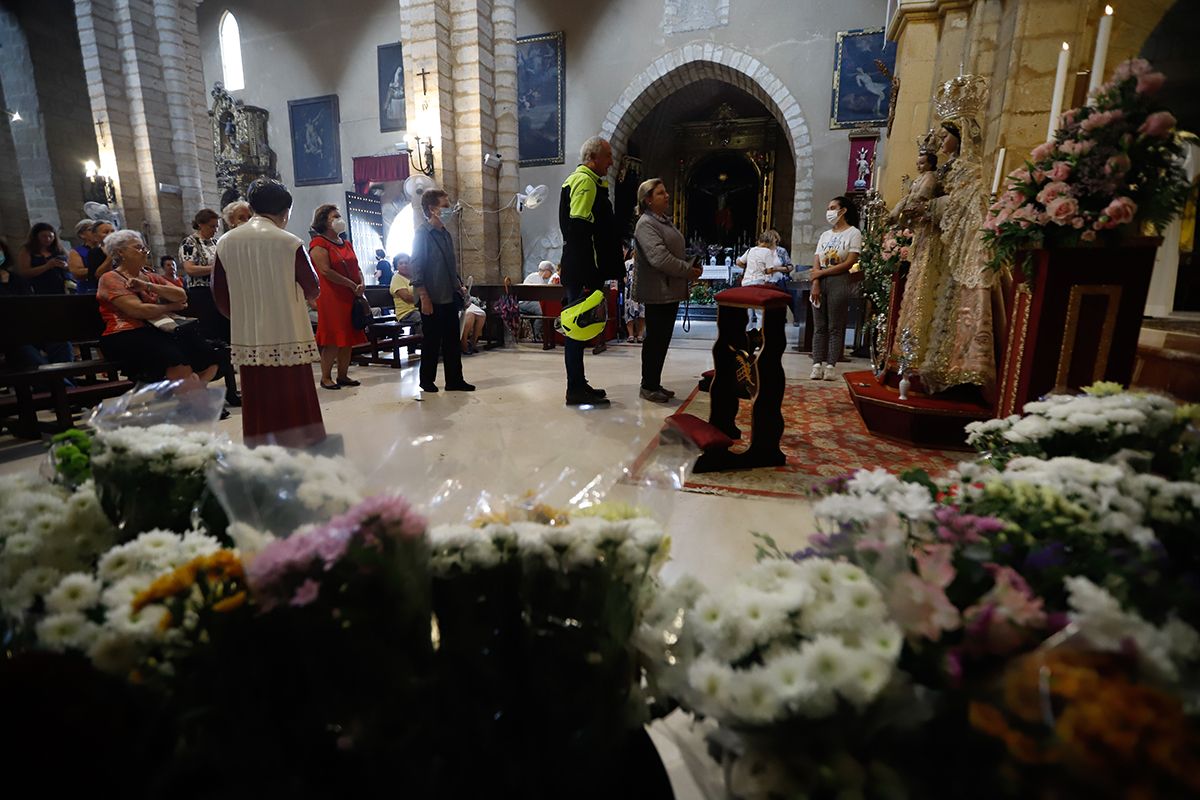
point(377, 169)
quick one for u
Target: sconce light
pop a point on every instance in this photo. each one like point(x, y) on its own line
point(13, 116)
point(97, 187)
point(422, 157)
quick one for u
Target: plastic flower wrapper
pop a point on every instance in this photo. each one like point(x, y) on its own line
point(539, 581)
point(149, 453)
point(1073, 720)
point(268, 492)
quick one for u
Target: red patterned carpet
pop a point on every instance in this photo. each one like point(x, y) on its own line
point(823, 438)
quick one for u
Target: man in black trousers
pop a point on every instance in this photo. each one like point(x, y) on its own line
point(591, 251)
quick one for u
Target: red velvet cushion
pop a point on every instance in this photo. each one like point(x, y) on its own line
point(708, 373)
point(706, 437)
point(754, 296)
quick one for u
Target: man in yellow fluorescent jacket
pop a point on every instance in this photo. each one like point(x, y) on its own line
point(591, 251)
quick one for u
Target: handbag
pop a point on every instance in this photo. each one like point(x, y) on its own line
point(360, 314)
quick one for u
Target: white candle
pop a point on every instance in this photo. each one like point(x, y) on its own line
point(887, 15)
point(1060, 85)
point(999, 170)
point(1101, 55)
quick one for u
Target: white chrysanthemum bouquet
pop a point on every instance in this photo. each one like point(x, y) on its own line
point(153, 477)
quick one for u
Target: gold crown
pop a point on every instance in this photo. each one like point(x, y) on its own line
point(962, 97)
point(927, 144)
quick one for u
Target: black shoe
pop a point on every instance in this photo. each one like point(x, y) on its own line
point(461, 386)
point(429, 387)
point(233, 400)
point(348, 382)
point(547, 345)
point(224, 413)
point(333, 387)
point(600, 348)
point(654, 395)
point(586, 398)
point(595, 392)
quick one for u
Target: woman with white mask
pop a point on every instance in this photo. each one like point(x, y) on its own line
point(837, 252)
point(341, 283)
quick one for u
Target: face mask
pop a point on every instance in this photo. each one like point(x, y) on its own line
point(1, 258)
point(339, 226)
point(831, 217)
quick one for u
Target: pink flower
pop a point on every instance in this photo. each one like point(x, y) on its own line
point(1062, 209)
point(920, 608)
point(999, 622)
point(1042, 151)
point(1150, 83)
point(1039, 175)
point(1052, 191)
point(1068, 118)
point(1078, 222)
point(1088, 236)
point(1120, 211)
point(904, 253)
point(1118, 165)
point(1101, 119)
point(1074, 148)
point(1061, 171)
point(1158, 125)
point(935, 564)
point(1019, 175)
point(1135, 67)
point(306, 593)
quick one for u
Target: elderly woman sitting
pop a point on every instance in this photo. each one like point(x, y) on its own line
point(136, 304)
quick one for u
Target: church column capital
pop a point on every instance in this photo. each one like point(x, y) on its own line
point(910, 11)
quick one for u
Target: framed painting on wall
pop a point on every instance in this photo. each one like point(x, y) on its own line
point(391, 87)
point(541, 98)
point(861, 91)
point(316, 148)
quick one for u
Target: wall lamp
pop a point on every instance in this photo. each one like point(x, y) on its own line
point(13, 116)
point(422, 157)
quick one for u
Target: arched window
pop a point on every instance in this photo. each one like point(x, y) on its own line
point(231, 53)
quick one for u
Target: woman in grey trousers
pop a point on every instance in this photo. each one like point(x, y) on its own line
point(661, 276)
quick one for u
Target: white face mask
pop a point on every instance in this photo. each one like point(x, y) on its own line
point(339, 226)
point(832, 217)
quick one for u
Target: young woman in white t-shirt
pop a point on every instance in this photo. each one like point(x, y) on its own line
point(837, 252)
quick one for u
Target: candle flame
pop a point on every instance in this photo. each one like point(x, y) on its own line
point(1066, 46)
point(1108, 11)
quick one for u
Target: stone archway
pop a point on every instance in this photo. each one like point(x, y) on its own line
point(694, 62)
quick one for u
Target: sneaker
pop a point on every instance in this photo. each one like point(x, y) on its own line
point(654, 395)
point(461, 386)
point(830, 372)
point(817, 372)
point(666, 391)
point(586, 398)
point(425, 387)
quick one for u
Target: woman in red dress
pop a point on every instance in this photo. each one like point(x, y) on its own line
point(341, 282)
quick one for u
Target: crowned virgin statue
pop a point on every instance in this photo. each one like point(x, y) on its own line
point(925, 263)
point(957, 324)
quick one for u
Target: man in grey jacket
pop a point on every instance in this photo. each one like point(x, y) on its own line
point(660, 282)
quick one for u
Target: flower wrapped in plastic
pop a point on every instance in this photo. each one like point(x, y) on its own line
point(1077, 721)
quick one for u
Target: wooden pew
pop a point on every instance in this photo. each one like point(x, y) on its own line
point(40, 319)
point(386, 334)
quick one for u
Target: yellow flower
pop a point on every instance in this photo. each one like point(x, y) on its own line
point(1103, 389)
point(230, 603)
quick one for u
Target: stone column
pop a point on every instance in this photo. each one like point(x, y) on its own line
point(142, 61)
point(32, 153)
point(916, 33)
point(504, 38)
point(474, 91)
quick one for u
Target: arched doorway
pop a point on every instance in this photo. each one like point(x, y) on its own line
point(693, 63)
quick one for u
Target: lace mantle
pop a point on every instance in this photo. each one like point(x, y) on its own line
point(283, 354)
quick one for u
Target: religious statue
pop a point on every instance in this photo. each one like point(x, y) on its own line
point(960, 336)
point(864, 169)
point(927, 267)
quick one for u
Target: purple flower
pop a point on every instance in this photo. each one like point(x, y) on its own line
point(306, 593)
point(1044, 558)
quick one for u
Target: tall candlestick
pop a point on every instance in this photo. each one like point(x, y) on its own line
point(1101, 54)
point(1060, 84)
point(887, 15)
point(999, 170)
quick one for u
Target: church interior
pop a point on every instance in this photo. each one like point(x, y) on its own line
point(646, 398)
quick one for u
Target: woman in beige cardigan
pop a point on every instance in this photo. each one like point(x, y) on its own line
point(660, 282)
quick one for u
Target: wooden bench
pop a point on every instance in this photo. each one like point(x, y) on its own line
point(40, 319)
point(385, 333)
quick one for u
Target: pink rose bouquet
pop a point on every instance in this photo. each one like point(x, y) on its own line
point(1112, 164)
